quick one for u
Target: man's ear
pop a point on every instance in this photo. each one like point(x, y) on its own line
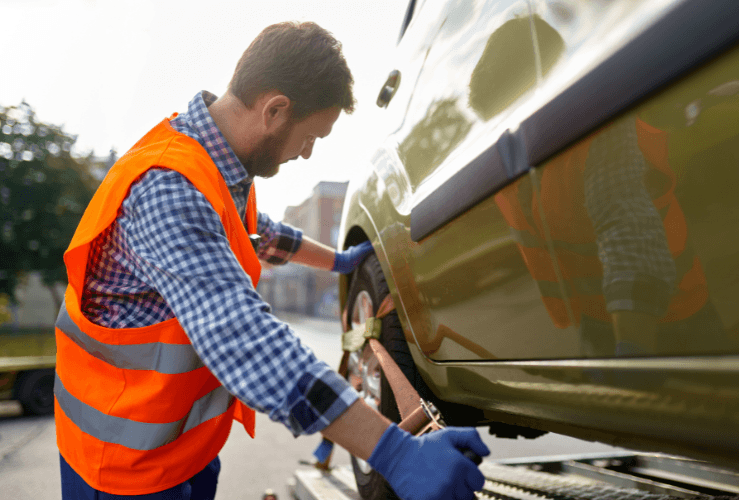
point(276, 111)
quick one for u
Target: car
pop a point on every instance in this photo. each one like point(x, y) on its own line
point(553, 208)
point(27, 346)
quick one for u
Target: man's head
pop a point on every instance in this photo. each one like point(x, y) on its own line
point(301, 60)
point(294, 78)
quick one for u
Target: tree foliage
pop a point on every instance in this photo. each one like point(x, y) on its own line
point(43, 192)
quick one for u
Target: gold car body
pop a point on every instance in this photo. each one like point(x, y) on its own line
point(559, 180)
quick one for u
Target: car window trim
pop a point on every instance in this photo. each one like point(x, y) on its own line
point(692, 33)
point(407, 18)
point(476, 181)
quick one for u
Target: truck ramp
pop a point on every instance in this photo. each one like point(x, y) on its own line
point(591, 477)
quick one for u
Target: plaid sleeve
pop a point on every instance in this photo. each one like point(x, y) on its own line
point(319, 397)
point(638, 269)
point(178, 245)
point(279, 241)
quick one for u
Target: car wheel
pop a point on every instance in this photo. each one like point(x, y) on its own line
point(366, 292)
point(35, 391)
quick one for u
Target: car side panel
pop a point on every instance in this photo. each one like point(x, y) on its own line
point(679, 394)
point(683, 401)
point(630, 273)
point(477, 75)
point(656, 191)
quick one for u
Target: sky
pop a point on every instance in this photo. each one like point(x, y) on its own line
point(109, 70)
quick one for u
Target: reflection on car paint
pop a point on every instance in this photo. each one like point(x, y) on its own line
point(608, 244)
point(443, 332)
point(502, 75)
point(432, 139)
point(485, 292)
point(442, 114)
point(653, 301)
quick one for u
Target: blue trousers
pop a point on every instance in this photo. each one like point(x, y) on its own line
point(202, 486)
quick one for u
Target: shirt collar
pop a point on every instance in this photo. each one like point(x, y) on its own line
point(199, 119)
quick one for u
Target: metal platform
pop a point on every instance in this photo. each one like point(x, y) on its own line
point(314, 484)
point(581, 477)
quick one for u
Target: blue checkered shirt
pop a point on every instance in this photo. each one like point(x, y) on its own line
point(167, 255)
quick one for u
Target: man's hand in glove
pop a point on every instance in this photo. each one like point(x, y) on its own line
point(430, 466)
point(348, 259)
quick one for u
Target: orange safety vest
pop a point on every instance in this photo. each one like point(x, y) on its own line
point(562, 200)
point(136, 410)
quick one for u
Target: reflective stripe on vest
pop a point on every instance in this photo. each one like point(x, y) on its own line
point(139, 435)
point(156, 356)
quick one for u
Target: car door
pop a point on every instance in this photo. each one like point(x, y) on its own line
point(635, 210)
point(463, 286)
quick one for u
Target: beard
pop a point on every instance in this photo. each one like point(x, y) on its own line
point(265, 158)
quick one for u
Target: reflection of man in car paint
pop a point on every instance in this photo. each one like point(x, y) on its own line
point(625, 273)
point(608, 207)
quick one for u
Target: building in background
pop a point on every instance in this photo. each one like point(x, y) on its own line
point(298, 289)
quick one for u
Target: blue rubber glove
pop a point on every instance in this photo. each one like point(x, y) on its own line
point(431, 466)
point(347, 260)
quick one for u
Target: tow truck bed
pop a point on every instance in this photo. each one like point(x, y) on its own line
point(581, 477)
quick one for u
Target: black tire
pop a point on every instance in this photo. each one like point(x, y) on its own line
point(370, 278)
point(35, 391)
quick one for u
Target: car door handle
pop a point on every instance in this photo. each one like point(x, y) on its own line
point(389, 89)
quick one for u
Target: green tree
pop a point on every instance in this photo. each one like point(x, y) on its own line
point(43, 193)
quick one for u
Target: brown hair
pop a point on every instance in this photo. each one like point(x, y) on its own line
point(301, 60)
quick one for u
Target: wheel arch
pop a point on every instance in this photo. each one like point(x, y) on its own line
point(364, 230)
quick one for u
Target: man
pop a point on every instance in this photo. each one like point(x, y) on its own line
point(161, 325)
